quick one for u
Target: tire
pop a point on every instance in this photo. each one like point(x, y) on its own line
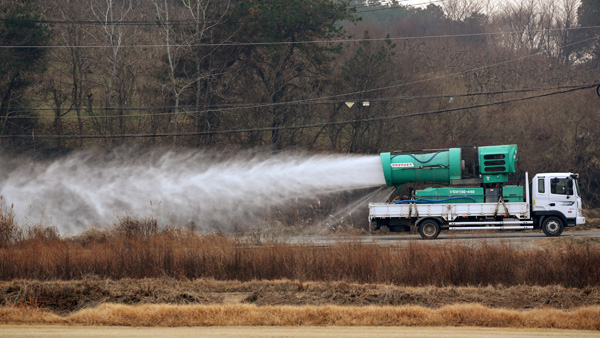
point(553, 226)
point(429, 229)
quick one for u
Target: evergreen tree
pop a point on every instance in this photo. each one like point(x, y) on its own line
point(589, 15)
point(22, 34)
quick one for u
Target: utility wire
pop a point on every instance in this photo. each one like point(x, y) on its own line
point(451, 74)
point(263, 105)
point(345, 95)
point(304, 126)
point(305, 42)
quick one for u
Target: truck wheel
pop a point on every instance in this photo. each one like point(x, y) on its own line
point(429, 229)
point(553, 226)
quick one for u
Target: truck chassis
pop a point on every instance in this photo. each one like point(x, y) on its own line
point(432, 218)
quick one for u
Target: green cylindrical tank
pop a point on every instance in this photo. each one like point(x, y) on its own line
point(485, 165)
point(439, 167)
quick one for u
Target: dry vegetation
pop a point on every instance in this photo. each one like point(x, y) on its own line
point(68, 296)
point(562, 243)
point(228, 315)
point(137, 273)
point(138, 249)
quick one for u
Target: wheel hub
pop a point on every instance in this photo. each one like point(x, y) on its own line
point(429, 229)
point(553, 226)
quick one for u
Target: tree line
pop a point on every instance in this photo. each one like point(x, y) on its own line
point(321, 75)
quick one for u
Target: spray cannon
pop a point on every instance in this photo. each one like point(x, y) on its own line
point(456, 166)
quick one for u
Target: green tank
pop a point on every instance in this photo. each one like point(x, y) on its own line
point(469, 165)
point(439, 167)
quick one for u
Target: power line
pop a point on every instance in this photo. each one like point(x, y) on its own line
point(305, 126)
point(393, 86)
point(276, 43)
point(454, 74)
point(263, 105)
point(401, 84)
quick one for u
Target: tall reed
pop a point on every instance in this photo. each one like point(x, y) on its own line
point(183, 254)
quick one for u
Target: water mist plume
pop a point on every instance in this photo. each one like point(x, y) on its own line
point(215, 191)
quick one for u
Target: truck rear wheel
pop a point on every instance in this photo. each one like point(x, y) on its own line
point(553, 226)
point(429, 229)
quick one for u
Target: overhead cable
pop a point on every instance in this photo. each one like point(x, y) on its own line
point(185, 109)
point(304, 42)
point(304, 126)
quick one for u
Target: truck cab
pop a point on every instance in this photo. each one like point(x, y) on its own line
point(556, 201)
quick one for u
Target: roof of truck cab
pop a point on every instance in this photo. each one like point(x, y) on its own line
point(555, 174)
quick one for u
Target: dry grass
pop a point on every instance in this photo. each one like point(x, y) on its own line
point(140, 249)
point(563, 243)
point(168, 277)
point(183, 254)
point(69, 296)
point(251, 315)
point(9, 231)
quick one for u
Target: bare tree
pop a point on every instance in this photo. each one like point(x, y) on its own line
point(524, 19)
point(69, 72)
point(192, 55)
point(58, 98)
point(459, 10)
point(111, 14)
point(207, 15)
point(564, 36)
point(540, 27)
point(174, 52)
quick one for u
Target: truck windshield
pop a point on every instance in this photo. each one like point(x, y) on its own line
point(560, 186)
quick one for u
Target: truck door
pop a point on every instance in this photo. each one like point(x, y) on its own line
point(561, 197)
point(539, 194)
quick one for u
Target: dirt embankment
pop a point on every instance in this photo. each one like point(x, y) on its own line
point(68, 296)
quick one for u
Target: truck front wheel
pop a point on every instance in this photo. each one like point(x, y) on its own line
point(429, 229)
point(553, 226)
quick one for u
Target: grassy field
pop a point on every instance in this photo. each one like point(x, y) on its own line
point(182, 254)
point(137, 274)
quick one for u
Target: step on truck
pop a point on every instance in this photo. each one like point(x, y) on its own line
point(474, 195)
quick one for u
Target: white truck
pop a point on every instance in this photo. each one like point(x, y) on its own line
point(551, 201)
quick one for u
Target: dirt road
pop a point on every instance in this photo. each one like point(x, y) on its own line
point(291, 332)
point(522, 239)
